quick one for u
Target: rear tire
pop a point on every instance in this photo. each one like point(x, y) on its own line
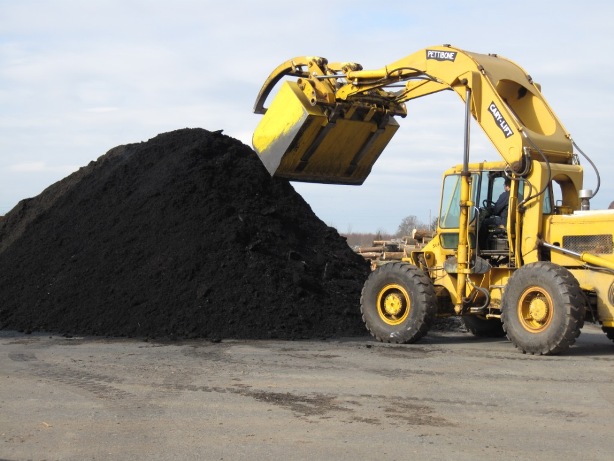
point(398, 303)
point(543, 309)
point(483, 327)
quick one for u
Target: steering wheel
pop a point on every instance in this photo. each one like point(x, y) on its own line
point(488, 204)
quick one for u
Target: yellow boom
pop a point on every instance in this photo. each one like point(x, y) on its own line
point(332, 121)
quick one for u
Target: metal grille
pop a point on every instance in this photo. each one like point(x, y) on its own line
point(600, 244)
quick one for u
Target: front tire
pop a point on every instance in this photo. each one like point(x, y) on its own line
point(398, 303)
point(543, 309)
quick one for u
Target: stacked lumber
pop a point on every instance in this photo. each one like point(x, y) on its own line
point(384, 251)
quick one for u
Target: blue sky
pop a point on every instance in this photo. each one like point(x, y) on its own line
point(79, 78)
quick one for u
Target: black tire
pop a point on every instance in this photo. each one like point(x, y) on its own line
point(609, 332)
point(543, 309)
point(398, 303)
point(483, 327)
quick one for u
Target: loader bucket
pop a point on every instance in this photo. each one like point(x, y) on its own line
point(299, 141)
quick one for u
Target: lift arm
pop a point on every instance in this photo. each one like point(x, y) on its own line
point(330, 121)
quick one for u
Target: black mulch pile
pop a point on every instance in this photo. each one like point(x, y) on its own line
point(182, 236)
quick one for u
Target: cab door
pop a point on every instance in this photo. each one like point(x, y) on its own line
point(449, 212)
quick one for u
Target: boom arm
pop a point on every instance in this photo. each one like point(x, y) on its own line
point(332, 123)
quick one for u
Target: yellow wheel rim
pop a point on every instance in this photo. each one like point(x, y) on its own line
point(535, 309)
point(393, 304)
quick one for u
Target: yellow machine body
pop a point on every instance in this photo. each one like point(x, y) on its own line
point(538, 273)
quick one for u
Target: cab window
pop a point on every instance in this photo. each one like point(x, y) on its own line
point(449, 216)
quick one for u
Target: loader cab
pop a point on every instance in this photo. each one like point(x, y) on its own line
point(493, 238)
point(490, 239)
point(549, 189)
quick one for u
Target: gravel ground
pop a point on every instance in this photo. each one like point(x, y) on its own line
point(452, 396)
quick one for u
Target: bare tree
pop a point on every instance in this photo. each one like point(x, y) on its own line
point(408, 224)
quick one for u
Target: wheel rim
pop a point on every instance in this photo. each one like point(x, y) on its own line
point(393, 304)
point(535, 309)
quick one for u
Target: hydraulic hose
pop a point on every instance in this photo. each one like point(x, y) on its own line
point(592, 164)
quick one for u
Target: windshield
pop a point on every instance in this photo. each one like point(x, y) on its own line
point(449, 216)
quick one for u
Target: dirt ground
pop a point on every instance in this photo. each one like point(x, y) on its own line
point(451, 396)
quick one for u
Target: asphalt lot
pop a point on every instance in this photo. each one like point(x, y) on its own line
point(451, 396)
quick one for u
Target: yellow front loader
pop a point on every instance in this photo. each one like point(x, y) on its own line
point(534, 274)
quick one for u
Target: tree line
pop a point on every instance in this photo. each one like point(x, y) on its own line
point(407, 225)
